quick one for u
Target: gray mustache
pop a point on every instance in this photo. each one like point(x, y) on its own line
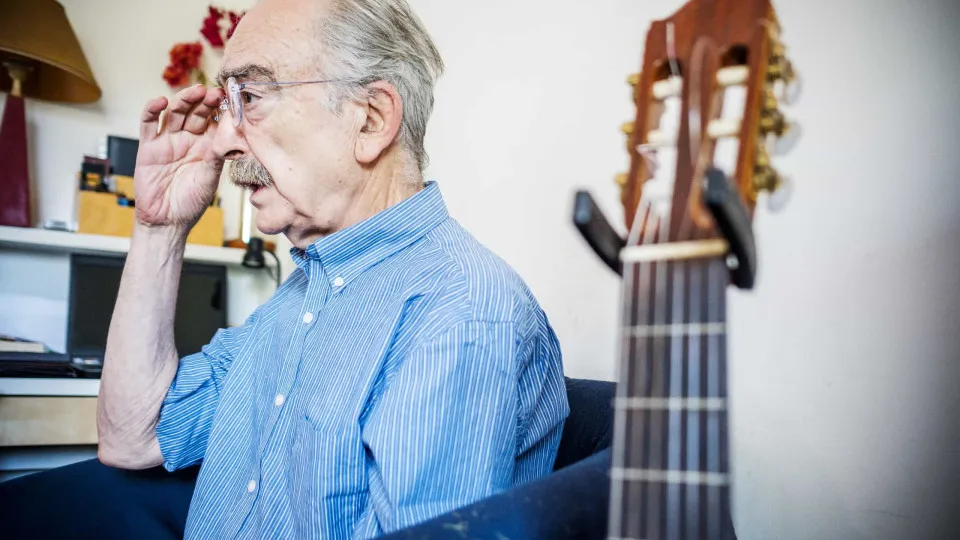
point(247, 172)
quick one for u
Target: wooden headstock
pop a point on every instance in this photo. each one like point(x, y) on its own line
point(698, 52)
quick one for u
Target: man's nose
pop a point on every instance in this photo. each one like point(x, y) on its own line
point(228, 140)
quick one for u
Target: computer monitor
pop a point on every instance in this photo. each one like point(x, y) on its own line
point(94, 283)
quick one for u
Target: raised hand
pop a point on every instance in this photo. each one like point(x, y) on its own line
point(177, 171)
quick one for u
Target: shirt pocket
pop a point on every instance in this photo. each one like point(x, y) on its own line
point(331, 484)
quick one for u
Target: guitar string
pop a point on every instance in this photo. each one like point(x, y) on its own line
point(652, 227)
point(716, 359)
point(635, 374)
point(658, 370)
point(639, 365)
point(664, 297)
point(632, 273)
point(694, 443)
point(647, 372)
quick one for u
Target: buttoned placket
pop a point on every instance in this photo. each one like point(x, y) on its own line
point(319, 291)
point(318, 294)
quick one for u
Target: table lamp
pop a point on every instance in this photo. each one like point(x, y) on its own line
point(41, 58)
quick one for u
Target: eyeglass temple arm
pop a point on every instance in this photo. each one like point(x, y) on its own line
point(257, 83)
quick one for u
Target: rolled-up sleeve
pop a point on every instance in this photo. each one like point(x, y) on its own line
point(443, 432)
point(186, 414)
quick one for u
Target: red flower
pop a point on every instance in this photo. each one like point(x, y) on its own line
point(211, 28)
point(185, 58)
point(186, 55)
point(176, 75)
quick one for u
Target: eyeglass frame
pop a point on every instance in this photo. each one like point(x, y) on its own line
point(233, 94)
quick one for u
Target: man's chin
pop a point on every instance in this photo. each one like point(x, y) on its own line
point(269, 226)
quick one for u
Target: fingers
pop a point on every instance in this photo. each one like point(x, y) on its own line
point(183, 103)
point(196, 122)
point(150, 118)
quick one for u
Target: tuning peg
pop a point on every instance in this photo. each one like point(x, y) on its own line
point(634, 81)
point(778, 50)
point(627, 128)
point(780, 71)
point(787, 139)
point(780, 196)
point(779, 188)
point(790, 89)
point(772, 122)
point(761, 167)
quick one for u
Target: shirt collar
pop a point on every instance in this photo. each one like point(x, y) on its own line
point(347, 253)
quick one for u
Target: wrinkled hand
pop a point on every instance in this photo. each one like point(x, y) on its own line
point(177, 170)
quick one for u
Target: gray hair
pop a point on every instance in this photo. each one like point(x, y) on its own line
point(383, 40)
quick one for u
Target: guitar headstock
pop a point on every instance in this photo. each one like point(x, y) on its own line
point(713, 73)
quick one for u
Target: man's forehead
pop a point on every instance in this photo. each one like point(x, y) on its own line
point(274, 39)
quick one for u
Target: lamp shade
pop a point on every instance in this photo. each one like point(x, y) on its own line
point(38, 34)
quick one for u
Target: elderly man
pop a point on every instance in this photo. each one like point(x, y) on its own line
point(401, 371)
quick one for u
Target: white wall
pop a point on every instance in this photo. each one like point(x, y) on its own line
point(844, 359)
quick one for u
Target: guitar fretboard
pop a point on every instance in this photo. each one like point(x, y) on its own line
point(670, 474)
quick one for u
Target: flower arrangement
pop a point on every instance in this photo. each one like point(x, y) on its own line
point(185, 68)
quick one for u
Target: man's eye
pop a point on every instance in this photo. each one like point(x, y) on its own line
point(248, 98)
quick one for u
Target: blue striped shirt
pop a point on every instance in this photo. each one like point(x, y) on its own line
point(400, 372)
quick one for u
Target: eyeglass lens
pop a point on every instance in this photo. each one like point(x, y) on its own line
point(233, 98)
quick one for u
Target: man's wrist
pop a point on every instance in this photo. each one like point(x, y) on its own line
point(166, 239)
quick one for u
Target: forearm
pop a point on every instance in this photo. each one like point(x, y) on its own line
point(141, 357)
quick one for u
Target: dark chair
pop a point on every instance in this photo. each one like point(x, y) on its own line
point(570, 503)
point(76, 501)
point(589, 428)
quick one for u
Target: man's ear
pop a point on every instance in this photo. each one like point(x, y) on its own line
point(384, 110)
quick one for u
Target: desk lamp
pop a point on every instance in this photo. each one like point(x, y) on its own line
point(41, 58)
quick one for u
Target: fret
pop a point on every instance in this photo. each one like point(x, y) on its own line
point(678, 329)
point(670, 477)
point(690, 404)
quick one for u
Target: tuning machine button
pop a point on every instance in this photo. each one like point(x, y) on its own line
point(779, 197)
point(785, 133)
point(781, 72)
point(779, 188)
point(790, 89)
point(787, 139)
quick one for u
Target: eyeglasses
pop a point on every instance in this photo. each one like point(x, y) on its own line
point(233, 102)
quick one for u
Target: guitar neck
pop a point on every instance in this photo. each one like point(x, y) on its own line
point(670, 474)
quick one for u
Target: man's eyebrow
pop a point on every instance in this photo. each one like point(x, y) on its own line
point(247, 72)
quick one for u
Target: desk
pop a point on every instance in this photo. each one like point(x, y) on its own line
point(47, 423)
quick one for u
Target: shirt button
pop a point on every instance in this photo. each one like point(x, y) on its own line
point(278, 401)
point(251, 486)
point(307, 318)
point(338, 281)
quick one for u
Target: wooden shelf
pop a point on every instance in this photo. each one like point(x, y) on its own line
point(67, 242)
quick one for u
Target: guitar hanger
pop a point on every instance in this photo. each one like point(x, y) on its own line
point(725, 207)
